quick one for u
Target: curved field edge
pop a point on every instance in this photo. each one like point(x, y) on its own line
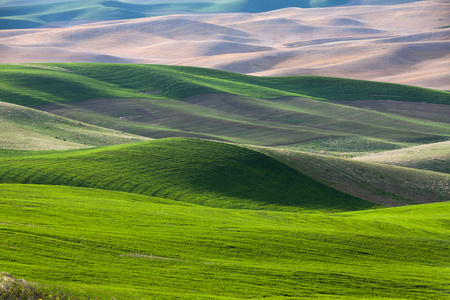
point(379, 183)
point(190, 170)
point(38, 84)
point(110, 244)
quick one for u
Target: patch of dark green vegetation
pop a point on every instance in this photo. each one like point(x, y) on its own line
point(189, 170)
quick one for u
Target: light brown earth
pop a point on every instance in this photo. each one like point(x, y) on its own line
point(402, 43)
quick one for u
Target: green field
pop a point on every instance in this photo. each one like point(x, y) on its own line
point(21, 16)
point(110, 244)
point(386, 183)
point(23, 128)
point(188, 170)
point(168, 101)
point(207, 210)
point(432, 157)
point(42, 83)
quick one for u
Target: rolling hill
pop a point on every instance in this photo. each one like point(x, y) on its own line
point(176, 182)
point(23, 128)
point(387, 183)
point(36, 14)
point(169, 101)
point(433, 157)
point(188, 170)
point(101, 244)
point(401, 42)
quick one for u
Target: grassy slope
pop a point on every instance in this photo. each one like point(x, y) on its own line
point(28, 16)
point(255, 121)
point(384, 184)
point(86, 81)
point(433, 157)
point(24, 128)
point(110, 244)
point(189, 170)
point(272, 121)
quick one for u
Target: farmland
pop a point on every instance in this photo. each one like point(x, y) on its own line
point(169, 101)
point(167, 182)
point(110, 244)
point(15, 15)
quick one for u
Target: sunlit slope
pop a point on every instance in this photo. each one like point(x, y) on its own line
point(167, 101)
point(289, 121)
point(379, 183)
point(23, 128)
point(31, 85)
point(29, 16)
point(109, 244)
point(209, 173)
point(433, 157)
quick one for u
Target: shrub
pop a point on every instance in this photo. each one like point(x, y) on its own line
point(19, 289)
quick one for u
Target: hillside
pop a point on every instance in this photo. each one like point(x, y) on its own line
point(24, 128)
point(379, 183)
point(169, 149)
point(85, 81)
point(433, 157)
point(188, 170)
point(402, 42)
point(36, 14)
point(169, 101)
point(101, 244)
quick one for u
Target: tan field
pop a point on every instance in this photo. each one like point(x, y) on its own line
point(403, 43)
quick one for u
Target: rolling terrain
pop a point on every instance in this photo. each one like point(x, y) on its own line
point(19, 14)
point(28, 14)
point(101, 244)
point(23, 128)
point(138, 102)
point(168, 101)
point(109, 213)
point(392, 41)
point(433, 157)
point(188, 170)
point(386, 183)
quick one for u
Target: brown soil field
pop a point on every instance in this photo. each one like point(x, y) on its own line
point(402, 43)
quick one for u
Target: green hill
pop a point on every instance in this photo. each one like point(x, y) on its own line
point(169, 101)
point(379, 183)
point(177, 82)
point(23, 128)
point(100, 244)
point(432, 157)
point(209, 173)
point(184, 218)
